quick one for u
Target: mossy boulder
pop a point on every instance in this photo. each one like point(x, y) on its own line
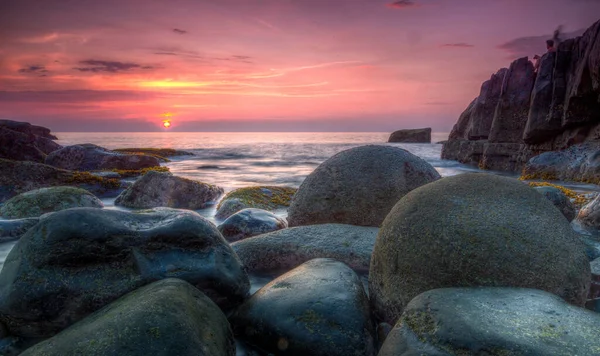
point(475, 230)
point(358, 186)
point(160, 153)
point(319, 308)
point(265, 197)
point(286, 249)
point(17, 177)
point(168, 317)
point(250, 222)
point(35, 203)
point(156, 189)
point(492, 321)
point(14, 229)
point(88, 157)
point(75, 261)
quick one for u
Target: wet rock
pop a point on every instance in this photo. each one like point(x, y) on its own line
point(589, 215)
point(411, 136)
point(577, 163)
point(88, 258)
point(475, 230)
point(14, 229)
point(24, 147)
point(358, 186)
point(266, 198)
point(156, 189)
point(288, 248)
point(492, 321)
point(88, 157)
point(161, 153)
point(168, 317)
point(250, 222)
point(319, 308)
point(561, 201)
point(35, 203)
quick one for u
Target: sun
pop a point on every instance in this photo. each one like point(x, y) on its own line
point(167, 119)
point(166, 124)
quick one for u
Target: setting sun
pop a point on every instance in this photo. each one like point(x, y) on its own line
point(166, 124)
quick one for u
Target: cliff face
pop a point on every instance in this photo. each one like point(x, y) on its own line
point(520, 114)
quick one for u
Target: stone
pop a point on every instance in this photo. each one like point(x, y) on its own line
point(35, 203)
point(24, 147)
point(483, 111)
point(13, 229)
point(88, 258)
point(160, 153)
point(286, 249)
point(250, 222)
point(579, 163)
point(492, 321)
point(168, 317)
point(27, 128)
point(475, 230)
point(589, 215)
point(17, 177)
point(411, 136)
point(156, 189)
point(561, 201)
point(88, 157)
point(319, 308)
point(268, 198)
point(358, 186)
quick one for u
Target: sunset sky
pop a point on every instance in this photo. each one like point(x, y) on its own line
point(263, 65)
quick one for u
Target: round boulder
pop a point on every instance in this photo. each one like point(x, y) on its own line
point(475, 230)
point(267, 198)
point(560, 201)
point(358, 186)
point(46, 200)
point(14, 229)
point(319, 308)
point(87, 258)
point(250, 222)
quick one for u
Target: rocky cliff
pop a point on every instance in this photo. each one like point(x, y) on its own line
point(520, 114)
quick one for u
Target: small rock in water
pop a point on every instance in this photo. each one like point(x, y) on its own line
point(14, 229)
point(250, 222)
point(266, 198)
point(589, 215)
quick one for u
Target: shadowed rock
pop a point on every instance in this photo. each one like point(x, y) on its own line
point(250, 222)
point(267, 198)
point(411, 136)
point(35, 203)
point(88, 157)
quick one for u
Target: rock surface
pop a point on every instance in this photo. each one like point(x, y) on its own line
point(250, 222)
point(169, 317)
point(561, 201)
point(475, 230)
point(35, 203)
point(87, 258)
point(27, 128)
point(579, 163)
point(160, 153)
point(88, 157)
point(21, 146)
point(589, 215)
point(492, 321)
point(156, 189)
point(411, 136)
point(358, 186)
point(18, 177)
point(319, 308)
point(286, 249)
point(266, 198)
point(14, 229)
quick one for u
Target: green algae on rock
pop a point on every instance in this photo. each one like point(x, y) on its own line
point(260, 197)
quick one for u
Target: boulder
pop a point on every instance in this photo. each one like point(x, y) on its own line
point(35, 203)
point(266, 198)
point(161, 153)
point(589, 215)
point(561, 201)
point(88, 258)
point(286, 249)
point(27, 128)
point(579, 163)
point(24, 147)
point(168, 317)
point(319, 308)
point(492, 321)
point(14, 229)
point(411, 136)
point(475, 230)
point(19, 176)
point(156, 189)
point(358, 186)
point(88, 157)
point(250, 222)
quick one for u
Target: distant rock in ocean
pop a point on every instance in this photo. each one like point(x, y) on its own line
point(411, 136)
point(520, 114)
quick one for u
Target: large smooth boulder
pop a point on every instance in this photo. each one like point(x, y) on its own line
point(358, 186)
point(475, 230)
point(319, 308)
point(27, 128)
point(19, 176)
point(286, 249)
point(21, 146)
point(156, 189)
point(261, 197)
point(14, 229)
point(87, 258)
point(88, 157)
point(560, 201)
point(35, 203)
point(577, 163)
point(250, 222)
point(411, 136)
point(492, 321)
point(168, 317)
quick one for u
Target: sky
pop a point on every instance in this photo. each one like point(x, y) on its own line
point(263, 65)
